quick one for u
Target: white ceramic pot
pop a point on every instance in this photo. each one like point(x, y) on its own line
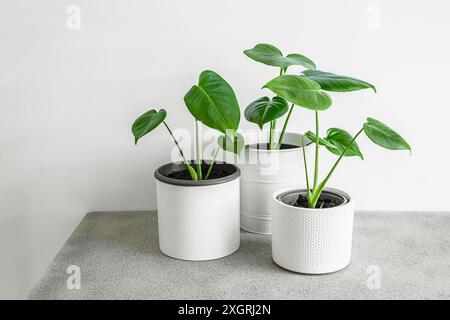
point(198, 220)
point(312, 241)
point(262, 173)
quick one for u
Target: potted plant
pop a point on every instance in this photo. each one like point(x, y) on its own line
point(273, 162)
point(312, 227)
point(197, 200)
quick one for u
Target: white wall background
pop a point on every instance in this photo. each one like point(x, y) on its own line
point(68, 98)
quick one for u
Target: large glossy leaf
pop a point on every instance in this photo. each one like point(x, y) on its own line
point(264, 110)
point(147, 122)
point(384, 136)
point(213, 102)
point(272, 56)
point(231, 144)
point(336, 141)
point(301, 91)
point(332, 82)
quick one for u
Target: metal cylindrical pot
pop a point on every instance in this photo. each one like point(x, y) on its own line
point(262, 173)
point(198, 220)
point(312, 241)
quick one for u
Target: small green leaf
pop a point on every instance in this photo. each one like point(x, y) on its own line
point(272, 56)
point(301, 91)
point(213, 102)
point(332, 82)
point(336, 141)
point(264, 110)
point(147, 122)
point(341, 139)
point(227, 143)
point(384, 136)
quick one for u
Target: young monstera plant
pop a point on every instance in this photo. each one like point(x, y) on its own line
point(267, 110)
point(211, 102)
point(297, 90)
point(308, 90)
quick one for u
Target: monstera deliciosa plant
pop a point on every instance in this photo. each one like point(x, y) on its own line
point(211, 102)
point(267, 110)
point(308, 89)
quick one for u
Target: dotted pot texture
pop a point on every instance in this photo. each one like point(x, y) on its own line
point(312, 241)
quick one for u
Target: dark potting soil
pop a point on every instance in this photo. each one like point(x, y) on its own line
point(325, 201)
point(216, 172)
point(265, 146)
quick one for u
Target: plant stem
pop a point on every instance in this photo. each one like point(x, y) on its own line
point(306, 169)
point(176, 142)
point(317, 192)
point(269, 145)
point(197, 149)
point(280, 139)
point(190, 169)
point(211, 165)
point(316, 160)
point(274, 127)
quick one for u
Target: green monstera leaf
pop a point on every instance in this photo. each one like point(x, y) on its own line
point(147, 122)
point(213, 102)
point(231, 144)
point(384, 136)
point(264, 110)
point(336, 141)
point(272, 56)
point(332, 82)
point(340, 139)
point(300, 91)
point(312, 136)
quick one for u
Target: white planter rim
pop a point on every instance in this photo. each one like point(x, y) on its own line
point(162, 171)
point(248, 147)
point(293, 189)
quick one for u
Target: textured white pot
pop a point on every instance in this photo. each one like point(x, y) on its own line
point(198, 220)
point(313, 241)
point(262, 173)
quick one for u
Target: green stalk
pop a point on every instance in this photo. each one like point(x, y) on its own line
point(269, 145)
point(197, 149)
point(308, 190)
point(235, 146)
point(273, 125)
point(190, 169)
point(316, 193)
point(273, 145)
point(280, 139)
point(316, 160)
point(211, 165)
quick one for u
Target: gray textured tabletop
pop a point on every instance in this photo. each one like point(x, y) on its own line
point(119, 258)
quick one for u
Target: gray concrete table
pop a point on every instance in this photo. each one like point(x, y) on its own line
point(119, 258)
